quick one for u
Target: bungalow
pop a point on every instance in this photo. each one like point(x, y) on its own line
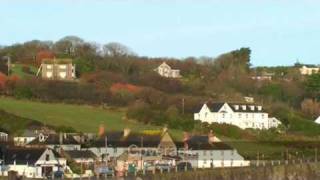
point(209, 152)
point(32, 162)
point(243, 115)
point(55, 141)
point(165, 70)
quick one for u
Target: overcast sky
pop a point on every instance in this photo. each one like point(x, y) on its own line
point(278, 31)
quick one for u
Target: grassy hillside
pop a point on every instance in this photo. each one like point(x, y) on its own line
point(82, 118)
point(17, 69)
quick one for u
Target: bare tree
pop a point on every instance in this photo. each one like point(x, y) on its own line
point(115, 49)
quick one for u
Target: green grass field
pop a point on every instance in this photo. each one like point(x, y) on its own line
point(80, 117)
point(17, 70)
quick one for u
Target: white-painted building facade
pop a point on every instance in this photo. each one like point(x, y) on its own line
point(210, 152)
point(237, 114)
point(304, 70)
point(32, 162)
point(165, 70)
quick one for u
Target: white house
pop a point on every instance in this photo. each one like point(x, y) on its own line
point(237, 114)
point(25, 138)
point(32, 162)
point(165, 70)
point(304, 70)
point(3, 137)
point(210, 152)
point(317, 120)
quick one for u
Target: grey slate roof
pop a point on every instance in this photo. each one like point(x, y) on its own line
point(215, 107)
point(76, 154)
point(22, 155)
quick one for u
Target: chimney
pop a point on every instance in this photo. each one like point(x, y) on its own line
point(126, 132)
point(101, 132)
point(211, 138)
point(186, 136)
point(60, 138)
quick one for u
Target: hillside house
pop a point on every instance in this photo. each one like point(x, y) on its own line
point(32, 162)
point(237, 114)
point(207, 151)
point(309, 70)
point(165, 70)
point(57, 69)
point(263, 76)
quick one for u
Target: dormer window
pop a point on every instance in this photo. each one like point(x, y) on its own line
point(252, 108)
point(259, 108)
point(236, 107)
point(244, 107)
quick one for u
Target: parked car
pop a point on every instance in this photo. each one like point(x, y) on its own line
point(106, 171)
point(183, 166)
point(163, 167)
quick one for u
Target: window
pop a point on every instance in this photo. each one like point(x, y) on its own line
point(205, 114)
point(47, 157)
point(240, 115)
point(223, 115)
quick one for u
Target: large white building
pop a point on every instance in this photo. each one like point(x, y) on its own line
point(238, 114)
point(305, 70)
point(165, 70)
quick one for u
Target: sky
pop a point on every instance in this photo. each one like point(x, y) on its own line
point(279, 32)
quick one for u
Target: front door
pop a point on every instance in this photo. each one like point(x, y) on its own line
point(47, 171)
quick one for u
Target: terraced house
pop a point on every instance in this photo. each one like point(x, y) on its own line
point(238, 114)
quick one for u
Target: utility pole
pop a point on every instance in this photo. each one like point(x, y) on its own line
point(8, 64)
point(182, 105)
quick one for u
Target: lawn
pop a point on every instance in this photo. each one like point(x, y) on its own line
point(81, 117)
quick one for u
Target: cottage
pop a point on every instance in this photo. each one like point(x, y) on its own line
point(209, 152)
point(57, 69)
point(309, 70)
point(81, 156)
point(237, 114)
point(32, 162)
point(55, 141)
point(116, 143)
point(165, 70)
